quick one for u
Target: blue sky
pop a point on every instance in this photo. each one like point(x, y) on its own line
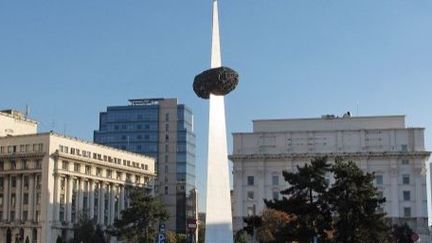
point(68, 60)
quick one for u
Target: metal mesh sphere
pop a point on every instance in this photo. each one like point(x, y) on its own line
point(217, 81)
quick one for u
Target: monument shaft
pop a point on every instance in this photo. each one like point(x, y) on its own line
point(218, 199)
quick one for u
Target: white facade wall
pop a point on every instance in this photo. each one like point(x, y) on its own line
point(395, 153)
point(66, 178)
point(13, 123)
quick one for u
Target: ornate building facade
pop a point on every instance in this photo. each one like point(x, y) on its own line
point(47, 181)
point(380, 144)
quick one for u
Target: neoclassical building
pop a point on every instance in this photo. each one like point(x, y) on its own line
point(47, 181)
point(380, 144)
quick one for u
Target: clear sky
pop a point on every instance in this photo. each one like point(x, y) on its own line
point(68, 60)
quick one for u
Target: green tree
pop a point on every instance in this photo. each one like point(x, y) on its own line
point(59, 239)
point(402, 234)
point(138, 222)
point(86, 231)
point(354, 201)
point(305, 198)
point(241, 237)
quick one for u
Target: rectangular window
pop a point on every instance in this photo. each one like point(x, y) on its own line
point(379, 179)
point(250, 195)
point(88, 169)
point(406, 179)
point(275, 195)
point(166, 190)
point(250, 180)
point(77, 167)
point(404, 148)
point(405, 162)
point(109, 173)
point(65, 165)
point(98, 171)
point(13, 181)
point(406, 195)
point(275, 180)
point(25, 215)
point(407, 212)
point(25, 198)
point(13, 200)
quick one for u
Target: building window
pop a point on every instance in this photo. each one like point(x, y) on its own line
point(406, 179)
point(25, 198)
point(109, 173)
point(13, 181)
point(13, 200)
point(98, 171)
point(13, 164)
point(404, 148)
point(119, 175)
point(250, 195)
point(275, 180)
point(407, 212)
point(38, 164)
point(250, 180)
point(166, 190)
point(12, 215)
point(65, 165)
point(1, 201)
point(275, 195)
point(405, 162)
point(379, 179)
point(1, 165)
point(88, 169)
point(25, 215)
point(26, 181)
point(77, 167)
point(24, 164)
point(406, 195)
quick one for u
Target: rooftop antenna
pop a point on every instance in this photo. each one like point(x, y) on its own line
point(27, 110)
point(358, 109)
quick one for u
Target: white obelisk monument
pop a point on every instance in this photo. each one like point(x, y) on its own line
point(218, 199)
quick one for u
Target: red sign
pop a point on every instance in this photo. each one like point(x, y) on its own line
point(415, 237)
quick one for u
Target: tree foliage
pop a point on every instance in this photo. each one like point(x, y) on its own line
point(345, 211)
point(306, 199)
point(354, 202)
point(86, 231)
point(402, 234)
point(138, 222)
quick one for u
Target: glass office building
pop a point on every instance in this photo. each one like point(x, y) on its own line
point(163, 129)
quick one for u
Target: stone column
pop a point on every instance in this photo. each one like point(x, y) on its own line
point(121, 199)
point(91, 189)
point(419, 194)
point(394, 192)
point(112, 204)
point(80, 197)
point(31, 198)
point(18, 193)
point(6, 199)
point(69, 200)
point(101, 203)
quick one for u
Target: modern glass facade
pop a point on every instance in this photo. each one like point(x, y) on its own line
point(149, 126)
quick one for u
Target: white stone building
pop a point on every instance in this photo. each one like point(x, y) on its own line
point(380, 144)
point(15, 123)
point(48, 180)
